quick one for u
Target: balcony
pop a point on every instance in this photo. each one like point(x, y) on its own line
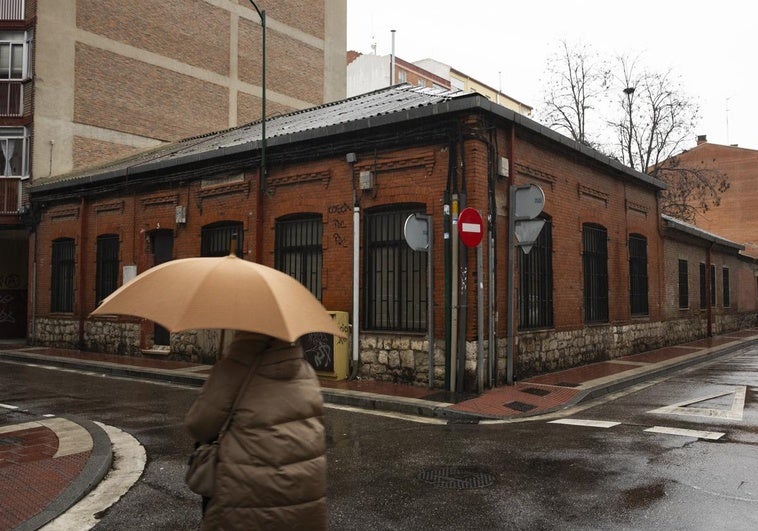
point(10, 195)
point(11, 98)
point(12, 10)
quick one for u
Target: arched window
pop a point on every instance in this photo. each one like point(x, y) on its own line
point(396, 280)
point(638, 274)
point(216, 238)
point(595, 266)
point(298, 249)
point(106, 275)
point(535, 295)
point(62, 279)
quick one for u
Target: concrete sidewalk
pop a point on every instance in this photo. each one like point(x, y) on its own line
point(48, 464)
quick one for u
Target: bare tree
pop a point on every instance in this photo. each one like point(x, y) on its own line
point(656, 120)
point(647, 113)
point(577, 79)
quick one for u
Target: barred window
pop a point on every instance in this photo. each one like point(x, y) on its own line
point(725, 280)
point(595, 264)
point(106, 275)
point(535, 296)
point(703, 292)
point(638, 274)
point(713, 285)
point(684, 293)
point(395, 274)
point(62, 280)
point(216, 238)
point(298, 250)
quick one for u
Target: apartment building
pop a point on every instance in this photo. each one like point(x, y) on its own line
point(85, 81)
point(367, 72)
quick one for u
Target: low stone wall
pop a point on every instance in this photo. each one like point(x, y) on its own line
point(112, 337)
point(59, 333)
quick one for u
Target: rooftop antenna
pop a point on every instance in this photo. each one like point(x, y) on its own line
point(727, 120)
point(373, 44)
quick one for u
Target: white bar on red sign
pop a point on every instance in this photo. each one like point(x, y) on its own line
point(471, 227)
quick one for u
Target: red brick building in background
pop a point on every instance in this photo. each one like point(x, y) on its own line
point(597, 283)
point(735, 217)
point(83, 82)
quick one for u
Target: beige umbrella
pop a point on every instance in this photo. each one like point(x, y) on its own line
point(223, 293)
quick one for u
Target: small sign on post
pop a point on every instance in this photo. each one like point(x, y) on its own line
point(470, 227)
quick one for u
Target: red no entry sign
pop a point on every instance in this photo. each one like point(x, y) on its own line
point(470, 227)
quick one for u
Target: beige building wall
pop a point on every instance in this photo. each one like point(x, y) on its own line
point(114, 77)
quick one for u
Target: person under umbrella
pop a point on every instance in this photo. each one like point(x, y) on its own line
point(271, 470)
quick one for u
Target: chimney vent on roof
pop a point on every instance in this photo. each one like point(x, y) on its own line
point(702, 139)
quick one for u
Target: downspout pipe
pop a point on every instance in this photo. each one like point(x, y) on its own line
point(81, 269)
point(709, 291)
point(356, 329)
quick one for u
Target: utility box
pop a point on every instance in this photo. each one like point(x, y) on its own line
point(329, 355)
point(366, 180)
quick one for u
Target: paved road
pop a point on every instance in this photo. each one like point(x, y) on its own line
point(392, 473)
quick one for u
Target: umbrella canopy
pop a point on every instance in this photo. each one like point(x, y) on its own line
point(224, 293)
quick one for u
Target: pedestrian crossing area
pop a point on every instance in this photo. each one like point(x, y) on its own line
point(664, 430)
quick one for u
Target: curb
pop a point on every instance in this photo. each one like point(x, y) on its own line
point(97, 467)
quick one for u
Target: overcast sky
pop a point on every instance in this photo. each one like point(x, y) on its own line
point(712, 46)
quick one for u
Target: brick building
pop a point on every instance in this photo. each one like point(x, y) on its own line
point(87, 81)
point(595, 284)
point(735, 217)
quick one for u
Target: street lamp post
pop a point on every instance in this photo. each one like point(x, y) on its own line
point(262, 15)
point(629, 91)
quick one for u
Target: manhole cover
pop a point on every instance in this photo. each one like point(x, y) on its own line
point(536, 391)
point(519, 406)
point(458, 477)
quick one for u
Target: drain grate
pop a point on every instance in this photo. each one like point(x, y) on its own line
point(458, 477)
point(520, 406)
point(536, 391)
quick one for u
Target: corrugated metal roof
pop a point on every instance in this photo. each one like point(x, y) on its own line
point(692, 230)
point(372, 104)
point(391, 105)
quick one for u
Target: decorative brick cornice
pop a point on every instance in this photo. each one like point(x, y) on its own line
point(591, 192)
point(116, 207)
point(224, 189)
point(534, 173)
point(636, 207)
point(68, 213)
point(163, 199)
point(426, 161)
point(323, 176)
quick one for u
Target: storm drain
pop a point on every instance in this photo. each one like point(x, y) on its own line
point(458, 477)
point(567, 384)
point(536, 391)
point(519, 406)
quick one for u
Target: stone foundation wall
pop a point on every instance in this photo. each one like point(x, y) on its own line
point(112, 337)
point(59, 333)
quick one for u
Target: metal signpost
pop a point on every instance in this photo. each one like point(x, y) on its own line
point(525, 203)
point(471, 230)
point(418, 230)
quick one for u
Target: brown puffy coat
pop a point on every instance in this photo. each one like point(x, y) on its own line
point(272, 461)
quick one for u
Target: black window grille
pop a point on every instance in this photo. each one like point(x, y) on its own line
point(298, 250)
point(703, 292)
point(216, 238)
point(713, 285)
point(595, 262)
point(106, 274)
point(725, 281)
point(62, 281)
point(684, 292)
point(535, 300)
point(638, 274)
point(395, 274)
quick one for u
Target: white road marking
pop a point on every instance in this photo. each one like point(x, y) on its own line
point(586, 422)
point(128, 464)
point(72, 438)
point(698, 434)
point(7, 406)
point(389, 414)
point(20, 427)
point(735, 412)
